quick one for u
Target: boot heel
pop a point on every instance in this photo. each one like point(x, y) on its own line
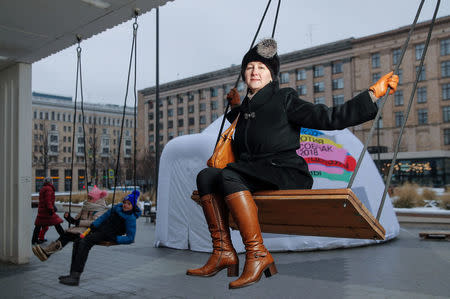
point(270, 270)
point(233, 270)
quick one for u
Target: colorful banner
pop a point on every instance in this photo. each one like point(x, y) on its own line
point(325, 157)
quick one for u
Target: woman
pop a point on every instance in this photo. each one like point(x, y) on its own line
point(92, 209)
point(265, 143)
point(46, 211)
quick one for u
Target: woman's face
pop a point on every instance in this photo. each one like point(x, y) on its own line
point(257, 75)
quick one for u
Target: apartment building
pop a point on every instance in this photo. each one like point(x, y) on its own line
point(56, 136)
point(331, 74)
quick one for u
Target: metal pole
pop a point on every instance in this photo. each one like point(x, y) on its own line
point(378, 145)
point(157, 109)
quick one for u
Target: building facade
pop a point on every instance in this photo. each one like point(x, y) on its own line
point(331, 74)
point(56, 135)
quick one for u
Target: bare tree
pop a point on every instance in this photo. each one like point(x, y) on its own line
point(46, 146)
point(145, 168)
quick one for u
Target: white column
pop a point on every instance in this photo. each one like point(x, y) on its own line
point(15, 164)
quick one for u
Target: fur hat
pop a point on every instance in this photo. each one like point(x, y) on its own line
point(97, 194)
point(48, 180)
point(133, 197)
point(266, 52)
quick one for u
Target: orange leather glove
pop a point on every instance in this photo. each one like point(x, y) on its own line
point(233, 97)
point(379, 89)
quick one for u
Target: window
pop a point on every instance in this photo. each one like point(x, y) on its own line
point(398, 118)
point(214, 92)
point(191, 131)
point(170, 135)
point(338, 83)
point(319, 86)
point(446, 114)
point(338, 99)
point(202, 106)
point(150, 116)
point(191, 109)
point(375, 60)
point(301, 89)
point(34, 114)
point(284, 78)
point(446, 91)
point(400, 76)
point(180, 99)
point(170, 124)
point(190, 97)
point(202, 119)
point(53, 138)
point(301, 74)
point(180, 110)
point(422, 116)
point(160, 114)
point(41, 115)
point(318, 71)
point(445, 47)
point(227, 88)
point(422, 94)
point(180, 122)
point(447, 136)
point(64, 117)
point(214, 105)
point(169, 112)
point(191, 121)
point(336, 67)
point(151, 127)
point(46, 115)
point(53, 115)
point(180, 133)
point(419, 51)
point(398, 98)
point(422, 73)
point(151, 138)
point(319, 100)
point(214, 116)
point(169, 101)
point(396, 56)
point(445, 69)
point(375, 77)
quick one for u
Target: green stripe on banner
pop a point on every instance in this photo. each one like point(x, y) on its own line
point(345, 177)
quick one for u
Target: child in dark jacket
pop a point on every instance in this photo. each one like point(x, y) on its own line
point(117, 225)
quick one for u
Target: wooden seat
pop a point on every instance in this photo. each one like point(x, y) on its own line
point(319, 212)
point(435, 235)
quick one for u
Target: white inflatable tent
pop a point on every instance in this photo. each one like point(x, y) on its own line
point(330, 155)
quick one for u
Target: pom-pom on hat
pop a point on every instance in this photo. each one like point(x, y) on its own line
point(97, 194)
point(266, 52)
point(133, 197)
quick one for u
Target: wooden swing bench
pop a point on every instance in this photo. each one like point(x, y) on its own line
point(319, 212)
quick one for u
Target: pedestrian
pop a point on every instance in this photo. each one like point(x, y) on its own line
point(46, 215)
point(92, 209)
point(117, 225)
point(265, 143)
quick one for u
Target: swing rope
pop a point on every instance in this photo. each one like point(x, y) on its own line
point(79, 79)
point(133, 53)
point(251, 46)
point(74, 120)
point(408, 109)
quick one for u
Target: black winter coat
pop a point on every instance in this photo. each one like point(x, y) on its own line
point(268, 133)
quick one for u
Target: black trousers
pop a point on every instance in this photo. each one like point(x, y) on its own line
point(81, 248)
point(37, 228)
point(68, 237)
point(227, 181)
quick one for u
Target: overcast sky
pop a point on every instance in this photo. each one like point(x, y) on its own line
point(198, 36)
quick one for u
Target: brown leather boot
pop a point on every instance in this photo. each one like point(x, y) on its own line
point(224, 255)
point(257, 258)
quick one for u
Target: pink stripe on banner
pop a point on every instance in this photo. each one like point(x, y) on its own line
point(323, 151)
point(319, 167)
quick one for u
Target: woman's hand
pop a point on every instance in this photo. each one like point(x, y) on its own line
point(379, 89)
point(233, 97)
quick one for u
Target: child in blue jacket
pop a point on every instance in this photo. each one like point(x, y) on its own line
point(117, 225)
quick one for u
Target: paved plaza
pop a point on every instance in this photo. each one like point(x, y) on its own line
point(406, 267)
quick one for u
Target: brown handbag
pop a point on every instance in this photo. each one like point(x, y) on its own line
point(223, 153)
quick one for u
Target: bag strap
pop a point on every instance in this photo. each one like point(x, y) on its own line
point(231, 128)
